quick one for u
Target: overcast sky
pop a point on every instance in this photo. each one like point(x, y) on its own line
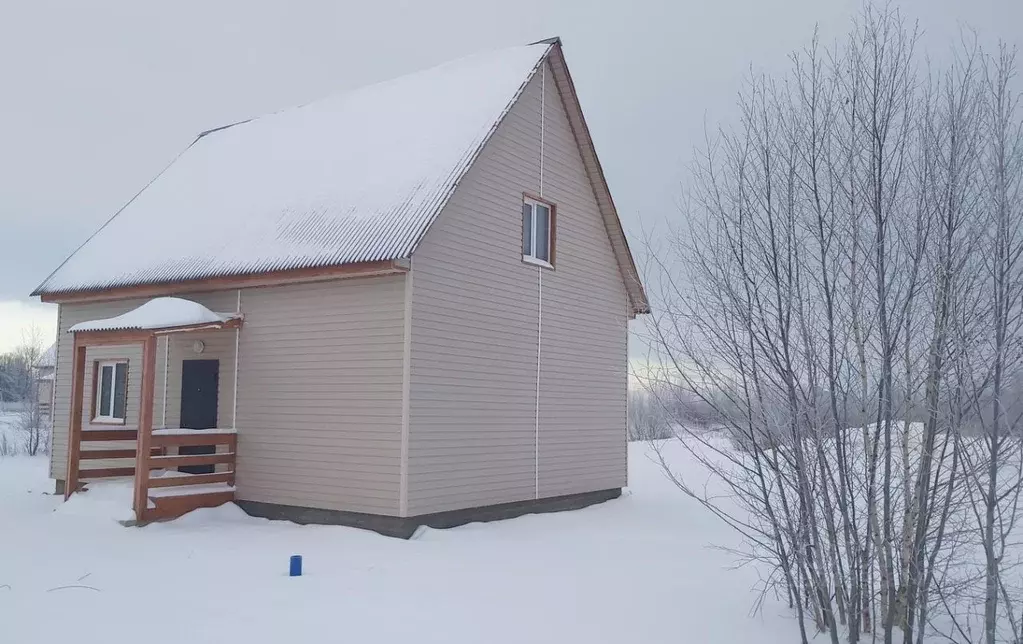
point(97, 97)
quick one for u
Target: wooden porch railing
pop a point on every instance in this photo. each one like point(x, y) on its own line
point(174, 493)
point(86, 455)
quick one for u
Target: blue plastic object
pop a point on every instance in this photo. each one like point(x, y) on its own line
point(296, 566)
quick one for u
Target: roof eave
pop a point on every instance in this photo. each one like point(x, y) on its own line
point(228, 282)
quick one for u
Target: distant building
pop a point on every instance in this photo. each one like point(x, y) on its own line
point(45, 373)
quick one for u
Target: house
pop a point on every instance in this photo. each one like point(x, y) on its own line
point(44, 370)
point(403, 305)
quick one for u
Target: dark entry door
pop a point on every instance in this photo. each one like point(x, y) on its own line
point(199, 380)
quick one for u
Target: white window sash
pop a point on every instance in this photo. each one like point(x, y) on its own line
point(532, 230)
point(533, 233)
point(98, 394)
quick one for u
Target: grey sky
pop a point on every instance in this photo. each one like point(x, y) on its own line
point(97, 97)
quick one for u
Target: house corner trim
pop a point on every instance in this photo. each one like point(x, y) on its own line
point(406, 386)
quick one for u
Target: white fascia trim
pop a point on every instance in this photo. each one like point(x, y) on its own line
point(406, 386)
point(541, 264)
point(237, 341)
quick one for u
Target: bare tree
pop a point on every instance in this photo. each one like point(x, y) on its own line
point(995, 466)
point(844, 299)
point(17, 375)
point(19, 382)
point(34, 430)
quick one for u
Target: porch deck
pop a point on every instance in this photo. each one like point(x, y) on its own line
point(168, 492)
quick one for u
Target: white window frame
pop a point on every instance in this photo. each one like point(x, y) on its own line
point(530, 257)
point(98, 394)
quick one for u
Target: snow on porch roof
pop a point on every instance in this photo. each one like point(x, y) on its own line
point(355, 177)
point(156, 314)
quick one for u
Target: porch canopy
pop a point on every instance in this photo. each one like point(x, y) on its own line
point(163, 315)
point(159, 316)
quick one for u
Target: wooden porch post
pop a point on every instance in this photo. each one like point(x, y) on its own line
point(145, 433)
point(74, 436)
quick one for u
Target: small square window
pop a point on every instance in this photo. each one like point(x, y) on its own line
point(537, 224)
point(111, 391)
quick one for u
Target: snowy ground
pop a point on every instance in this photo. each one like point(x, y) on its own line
point(642, 568)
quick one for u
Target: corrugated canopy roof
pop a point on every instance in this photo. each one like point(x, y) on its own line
point(158, 314)
point(351, 178)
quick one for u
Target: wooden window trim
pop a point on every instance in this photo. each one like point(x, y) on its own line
point(94, 408)
point(552, 251)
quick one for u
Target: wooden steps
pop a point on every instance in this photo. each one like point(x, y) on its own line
point(191, 490)
point(175, 479)
point(171, 502)
point(171, 493)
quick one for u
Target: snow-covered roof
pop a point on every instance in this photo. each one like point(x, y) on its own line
point(158, 313)
point(48, 358)
point(351, 178)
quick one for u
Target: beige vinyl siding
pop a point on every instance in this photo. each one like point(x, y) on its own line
point(320, 395)
point(474, 315)
point(583, 372)
point(319, 389)
point(472, 408)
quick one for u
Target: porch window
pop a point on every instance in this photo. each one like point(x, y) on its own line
point(537, 232)
point(111, 391)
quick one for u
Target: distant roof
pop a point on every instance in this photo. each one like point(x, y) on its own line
point(351, 178)
point(48, 358)
point(158, 313)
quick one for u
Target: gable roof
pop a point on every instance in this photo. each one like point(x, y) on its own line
point(352, 178)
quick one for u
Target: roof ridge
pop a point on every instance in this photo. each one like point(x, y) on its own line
point(353, 90)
